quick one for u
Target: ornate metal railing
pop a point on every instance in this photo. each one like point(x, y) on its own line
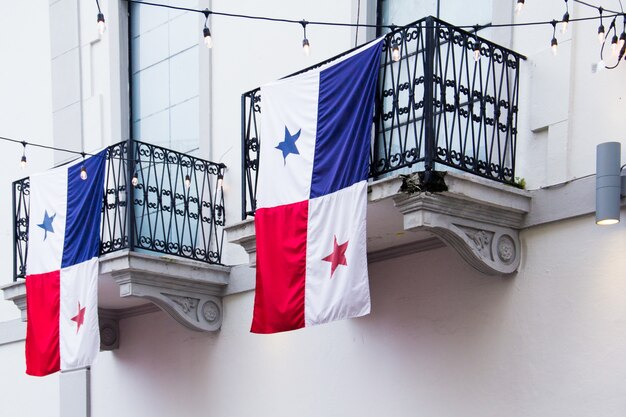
point(177, 205)
point(436, 105)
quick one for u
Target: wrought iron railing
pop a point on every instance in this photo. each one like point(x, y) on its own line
point(177, 205)
point(436, 105)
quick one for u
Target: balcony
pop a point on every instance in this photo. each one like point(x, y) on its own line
point(442, 160)
point(161, 239)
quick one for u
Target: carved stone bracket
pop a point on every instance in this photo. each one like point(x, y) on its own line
point(188, 291)
point(480, 221)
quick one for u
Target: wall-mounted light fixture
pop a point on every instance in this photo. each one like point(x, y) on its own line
point(610, 185)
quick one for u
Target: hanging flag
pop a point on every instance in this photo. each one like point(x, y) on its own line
point(62, 331)
point(312, 195)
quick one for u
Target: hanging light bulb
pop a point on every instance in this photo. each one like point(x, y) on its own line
point(187, 181)
point(519, 6)
point(135, 180)
point(622, 41)
point(614, 43)
point(601, 34)
point(83, 173)
point(208, 41)
point(220, 180)
point(23, 160)
point(101, 24)
point(306, 47)
point(565, 22)
point(554, 44)
point(395, 52)
point(206, 32)
point(476, 50)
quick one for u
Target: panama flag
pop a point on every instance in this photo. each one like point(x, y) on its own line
point(312, 195)
point(62, 267)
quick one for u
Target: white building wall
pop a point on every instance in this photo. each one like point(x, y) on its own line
point(25, 114)
point(442, 340)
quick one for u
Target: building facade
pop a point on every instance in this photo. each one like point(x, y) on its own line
point(487, 299)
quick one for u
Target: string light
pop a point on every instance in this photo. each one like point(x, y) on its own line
point(565, 20)
point(519, 5)
point(83, 173)
point(206, 32)
point(220, 180)
point(395, 51)
point(476, 50)
point(305, 42)
point(601, 35)
point(101, 23)
point(476, 44)
point(554, 44)
point(83, 170)
point(135, 179)
point(187, 181)
point(23, 160)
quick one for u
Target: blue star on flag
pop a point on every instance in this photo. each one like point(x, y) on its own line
point(46, 225)
point(288, 145)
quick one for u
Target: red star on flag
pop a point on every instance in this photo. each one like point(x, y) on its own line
point(337, 257)
point(79, 318)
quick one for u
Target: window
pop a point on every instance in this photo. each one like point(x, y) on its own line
point(165, 77)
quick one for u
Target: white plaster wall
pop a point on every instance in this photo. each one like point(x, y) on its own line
point(25, 112)
point(442, 340)
point(23, 395)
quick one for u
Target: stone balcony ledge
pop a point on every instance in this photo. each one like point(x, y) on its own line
point(479, 218)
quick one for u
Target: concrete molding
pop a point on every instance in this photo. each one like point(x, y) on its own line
point(191, 292)
point(243, 234)
point(16, 292)
point(411, 248)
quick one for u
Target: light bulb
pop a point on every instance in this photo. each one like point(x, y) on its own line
point(519, 6)
point(306, 47)
point(565, 22)
point(135, 180)
point(23, 162)
point(555, 46)
point(220, 181)
point(601, 33)
point(395, 52)
point(101, 24)
point(208, 41)
point(83, 173)
point(622, 40)
point(187, 181)
point(614, 42)
point(476, 51)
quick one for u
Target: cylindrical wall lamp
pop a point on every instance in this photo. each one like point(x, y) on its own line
point(609, 188)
